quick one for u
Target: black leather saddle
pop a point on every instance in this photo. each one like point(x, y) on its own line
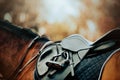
point(58, 59)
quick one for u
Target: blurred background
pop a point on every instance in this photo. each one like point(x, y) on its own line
point(60, 18)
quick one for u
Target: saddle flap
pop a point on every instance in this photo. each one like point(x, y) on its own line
point(75, 43)
point(59, 59)
point(54, 66)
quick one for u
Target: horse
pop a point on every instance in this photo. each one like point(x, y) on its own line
point(17, 46)
point(20, 49)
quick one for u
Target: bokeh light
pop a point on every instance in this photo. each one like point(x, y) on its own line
point(60, 18)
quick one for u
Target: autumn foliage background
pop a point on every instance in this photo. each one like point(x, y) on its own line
point(60, 18)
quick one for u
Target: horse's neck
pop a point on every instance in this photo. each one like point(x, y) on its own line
point(27, 73)
point(12, 49)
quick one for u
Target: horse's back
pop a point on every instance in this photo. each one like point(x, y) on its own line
point(111, 69)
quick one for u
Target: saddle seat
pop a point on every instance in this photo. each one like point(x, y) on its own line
point(75, 43)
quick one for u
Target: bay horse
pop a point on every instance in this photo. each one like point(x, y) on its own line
point(19, 48)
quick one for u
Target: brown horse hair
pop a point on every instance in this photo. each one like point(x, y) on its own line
point(32, 42)
point(111, 69)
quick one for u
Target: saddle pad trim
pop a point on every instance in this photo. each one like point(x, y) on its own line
point(101, 71)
